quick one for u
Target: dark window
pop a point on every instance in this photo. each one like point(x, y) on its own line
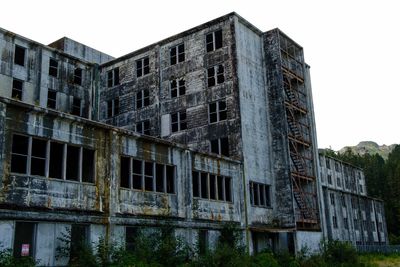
point(343, 201)
point(334, 222)
point(177, 54)
point(53, 67)
point(220, 146)
point(142, 99)
point(19, 154)
point(328, 164)
point(19, 55)
point(339, 182)
point(38, 158)
point(137, 174)
point(329, 179)
point(336, 166)
point(125, 170)
point(332, 196)
point(346, 223)
point(195, 184)
point(130, 238)
point(178, 121)
point(213, 193)
point(177, 88)
point(17, 89)
point(79, 240)
point(148, 176)
point(56, 160)
point(76, 107)
point(260, 194)
point(215, 75)
point(52, 99)
point(228, 189)
point(356, 225)
point(73, 159)
point(203, 242)
point(220, 186)
point(113, 77)
point(210, 186)
point(78, 76)
point(142, 67)
point(160, 185)
point(214, 40)
point(217, 111)
point(24, 239)
point(143, 127)
point(204, 185)
point(88, 167)
point(113, 107)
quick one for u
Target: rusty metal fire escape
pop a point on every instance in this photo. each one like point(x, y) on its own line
point(299, 137)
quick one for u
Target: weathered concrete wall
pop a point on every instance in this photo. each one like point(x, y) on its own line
point(7, 234)
point(310, 240)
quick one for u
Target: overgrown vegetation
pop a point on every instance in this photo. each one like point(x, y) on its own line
point(383, 181)
point(7, 259)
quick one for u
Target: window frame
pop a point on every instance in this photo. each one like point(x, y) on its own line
point(215, 75)
point(113, 105)
point(179, 88)
point(51, 100)
point(213, 45)
point(15, 90)
point(53, 67)
point(264, 199)
point(17, 61)
point(78, 74)
point(218, 111)
point(224, 196)
point(113, 78)
point(144, 100)
point(142, 124)
point(175, 55)
point(142, 66)
point(220, 150)
point(180, 122)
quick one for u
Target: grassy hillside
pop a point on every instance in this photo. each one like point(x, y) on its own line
point(369, 147)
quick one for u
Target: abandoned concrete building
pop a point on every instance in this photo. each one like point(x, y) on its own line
point(211, 126)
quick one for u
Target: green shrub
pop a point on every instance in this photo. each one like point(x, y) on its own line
point(336, 252)
point(8, 260)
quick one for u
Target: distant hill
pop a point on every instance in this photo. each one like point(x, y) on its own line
point(371, 148)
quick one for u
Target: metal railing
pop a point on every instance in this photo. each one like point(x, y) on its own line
point(386, 249)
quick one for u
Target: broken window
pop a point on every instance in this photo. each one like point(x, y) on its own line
point(220, 146)
point(24, 239)
point(130, 238)
point(78, 76)
point(259, 194)
point(214, 40)
point(38, 157)
point(137, 174)
point(113, 77)
point(73, 160)
point(17, 89)
point(19, 55)
point(79, 239)
point(125, 170)
point(217, 111)
point(178, 121)
point(88, 167)
point(143, 127)
point(148, 176)
point(56, 160)
point(177, 54)
point(177, 87)
point(210, 186)
point(51, 99)
point(215, 75)
point(142, 67)
point(19, 154)
point(53, 67)
point(76, 106)
point(113, 107)
point(142, 99)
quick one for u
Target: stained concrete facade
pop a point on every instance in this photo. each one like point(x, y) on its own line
point(195, 131)
point(350, 215)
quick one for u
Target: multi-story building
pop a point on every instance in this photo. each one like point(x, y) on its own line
point(214, 125)
point(350, 215)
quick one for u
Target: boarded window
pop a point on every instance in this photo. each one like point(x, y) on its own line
point(88, 167)
point(78, 76)
point(38, 158)
point(16, 92)
point(19, 55)
point(53, 67)
point(24, 239)
point(73, 158)
point(19, 154)
point(56, 160)
point(52, 99)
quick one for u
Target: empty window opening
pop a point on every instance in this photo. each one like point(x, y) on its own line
point(217, 111)
point(259, 194)
point(332, 196)
point(143, 127)
point(214, 40)
point(215, 75)
point(137, 174)
point(52, 99)
point(346, 223)
point(142, 99)
point(113, 107)
point(113, 77)
point(125, 170)
point(88, 167)
point(178, 121)
point(328, 164)
point(19, 154)
point(76, 107)
point(38, 157)
point(17, 89)
point(56, 160)
point(177, 54)
point(19, 55)
point(148, 176)
point(334, 222)
point(160, 182)
point(78, 76)
point(220, 146)
point(53, 67)
point(329, 179)
point(142, 67)
point(131, 234)
point(210, 186)
point(203, 241)
point(73, 160)
point(79, 239)
point(177, 87)
point(24, 239)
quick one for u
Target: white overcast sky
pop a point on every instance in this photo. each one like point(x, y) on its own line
point(353, 47)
